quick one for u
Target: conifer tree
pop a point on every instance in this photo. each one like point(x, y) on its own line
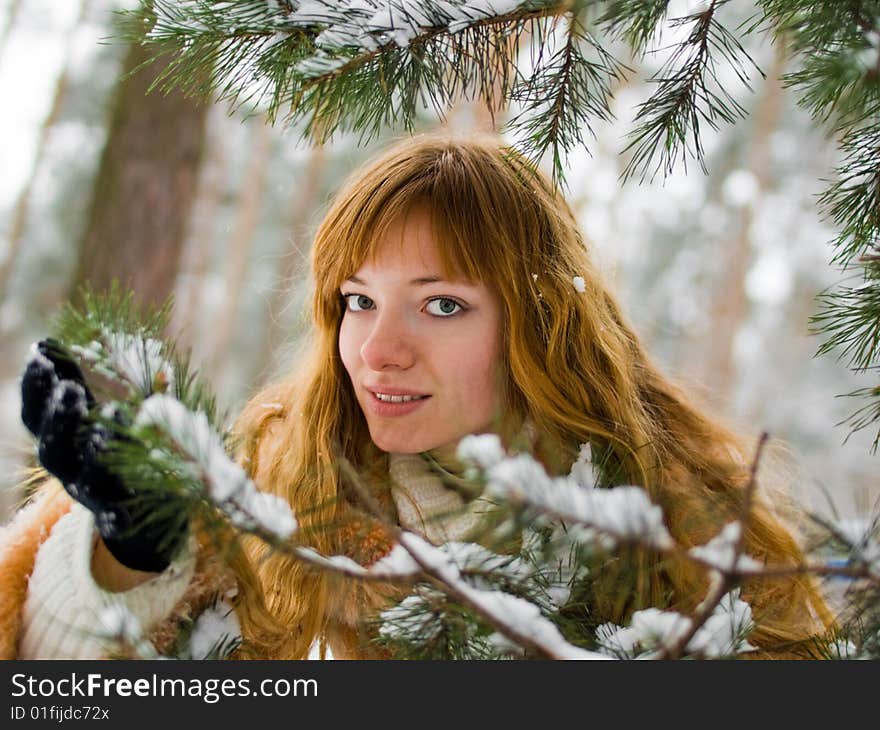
point(318, 64)
point(520, 590)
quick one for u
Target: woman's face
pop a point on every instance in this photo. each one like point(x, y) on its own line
point(422, 352)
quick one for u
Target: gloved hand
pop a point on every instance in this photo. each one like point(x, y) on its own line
point(55, 407)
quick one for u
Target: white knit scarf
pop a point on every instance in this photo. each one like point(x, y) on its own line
point(433, 501)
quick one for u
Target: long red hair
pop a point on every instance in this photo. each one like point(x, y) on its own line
point(573, 367)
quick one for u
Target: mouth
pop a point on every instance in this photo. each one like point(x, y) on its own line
point(393, 398)
point(395, 403)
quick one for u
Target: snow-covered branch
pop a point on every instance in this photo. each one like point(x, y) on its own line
point(652, 632)
point(227, 484)
point(517, 619)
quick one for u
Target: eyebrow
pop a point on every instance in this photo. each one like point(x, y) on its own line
point(420, 281)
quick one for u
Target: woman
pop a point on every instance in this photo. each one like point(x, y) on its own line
point(444, 305)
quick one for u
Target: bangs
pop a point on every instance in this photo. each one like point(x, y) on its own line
point(356, 231)
point(485, 208)
point(368, 240)
point(455, 245)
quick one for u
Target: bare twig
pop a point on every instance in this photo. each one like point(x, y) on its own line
point(721, 581)
point(441, 582)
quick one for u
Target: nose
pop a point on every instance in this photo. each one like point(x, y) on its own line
point(389, 344)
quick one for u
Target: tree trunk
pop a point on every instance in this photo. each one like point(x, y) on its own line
point(189, 292)
point(22, 204)
point(145, 186)
point(294, 260)
point(731, 307)
point(241, 241)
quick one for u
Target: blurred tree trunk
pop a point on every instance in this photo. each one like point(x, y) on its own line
point(22, 204)
point(9, 24)
point(145, 186)
point(189, 294)
point(294, 260)
point(730, 307)
point(241, 241)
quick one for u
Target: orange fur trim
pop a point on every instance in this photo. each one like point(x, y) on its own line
point(354, 602)
point(20, 541)
point(213, 579)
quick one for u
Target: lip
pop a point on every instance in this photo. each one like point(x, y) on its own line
point(391, 390)
point(384, 408)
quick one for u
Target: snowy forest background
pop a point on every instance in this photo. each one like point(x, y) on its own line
point(718, 272)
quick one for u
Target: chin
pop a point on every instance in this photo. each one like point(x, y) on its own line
point(397, 444)
point(394, 446)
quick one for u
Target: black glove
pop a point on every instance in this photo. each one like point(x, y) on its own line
point(55, 407)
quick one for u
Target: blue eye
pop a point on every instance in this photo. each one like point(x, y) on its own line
point(357, 302)
point(443, 307)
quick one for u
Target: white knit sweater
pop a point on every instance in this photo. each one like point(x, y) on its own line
point(64, 604)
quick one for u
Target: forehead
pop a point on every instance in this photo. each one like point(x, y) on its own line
point(410, 245)
point(407, 243)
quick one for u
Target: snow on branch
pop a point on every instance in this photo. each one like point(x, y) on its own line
point(396, 565)
point(477, 561)
point(721, 551)
point(484, 450)
point(228, 485)
point(356, 26)
point(134, 360)
point(516, 618)
point(623, 513)
point(367, 25)
point(653, 632)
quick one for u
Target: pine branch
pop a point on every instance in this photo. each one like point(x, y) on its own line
point(179, 470)
point(168, 446)
point(538, 636)
point(503, 611)
point(852, 202)
point(241, 51)
point(866, 416)
point(721, 582)
point(312, 60)
point(635, 21)
point(851, 316)
point(839, 83)
point(840, 50)
point(688, 94)
point(563, 97)
point(114, 310)
point(324, 63)
point(445, 630)
point(520, 484)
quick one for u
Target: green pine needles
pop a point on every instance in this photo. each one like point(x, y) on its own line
point(124, 342)
point(524, 588)
point(168, 442)
point(328, 67)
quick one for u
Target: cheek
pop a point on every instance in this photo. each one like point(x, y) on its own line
point(476, 371)
point(349, 347)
